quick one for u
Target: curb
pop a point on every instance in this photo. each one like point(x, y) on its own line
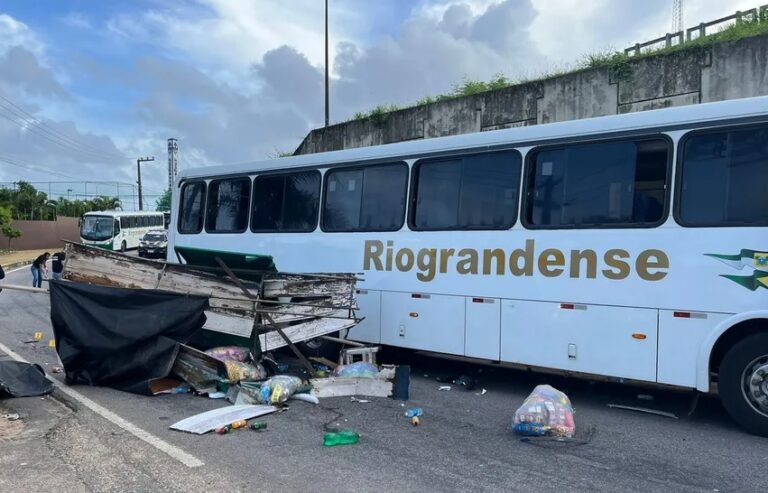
point(17, 265)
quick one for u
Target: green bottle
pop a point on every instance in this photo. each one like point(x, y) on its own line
point(341, 437)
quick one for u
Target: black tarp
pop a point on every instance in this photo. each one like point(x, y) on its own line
point(121, 338)
point(19, 379)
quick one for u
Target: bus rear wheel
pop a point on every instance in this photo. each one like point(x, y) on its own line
point(743, 383)
point(123, 247)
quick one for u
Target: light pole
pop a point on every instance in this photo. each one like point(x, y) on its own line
point(138, 170)
point(327, 113)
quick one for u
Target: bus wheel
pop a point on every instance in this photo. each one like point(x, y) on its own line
point(743, 383)
point(123, 247)
point(320, 348)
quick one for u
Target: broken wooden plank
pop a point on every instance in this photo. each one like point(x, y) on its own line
point(343, 387)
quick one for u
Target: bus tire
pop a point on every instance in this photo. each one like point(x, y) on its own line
point(123, 247)
point(743, 383)
point(320, 348)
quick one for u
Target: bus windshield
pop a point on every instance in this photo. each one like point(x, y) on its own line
point(96, 228)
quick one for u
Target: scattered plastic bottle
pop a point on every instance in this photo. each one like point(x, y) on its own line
point(341, 437)
point(532, 429)
point(413, 412)
point(415, 421)
point(240, 423)
point(223, 430)
point(258, 425)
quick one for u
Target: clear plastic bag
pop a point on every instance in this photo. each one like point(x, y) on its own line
point(237, 370)
point(225, 353)
point(356, 370)
point(278, 389)
point(546, 411)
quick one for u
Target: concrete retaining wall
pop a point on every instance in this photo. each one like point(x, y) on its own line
point(736, 69)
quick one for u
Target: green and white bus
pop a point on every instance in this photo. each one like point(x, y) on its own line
point(117, 230)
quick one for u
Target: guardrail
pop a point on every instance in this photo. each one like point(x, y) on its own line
point(757, 14)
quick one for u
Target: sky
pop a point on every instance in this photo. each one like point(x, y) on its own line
point(87, 86)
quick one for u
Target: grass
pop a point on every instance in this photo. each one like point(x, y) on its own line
point(617, 62)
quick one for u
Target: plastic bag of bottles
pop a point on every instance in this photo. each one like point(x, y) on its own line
point(278, 389)
point(356, 370)
point(237, 370)
point(545, 412)
point(225, 353)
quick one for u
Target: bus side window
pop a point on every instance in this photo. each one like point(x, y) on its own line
point(117, 226)
point(124, 222)
point(286, 202)
point(722, 178)
point(602, 184)
point(470, 192)
point(228, 203)
point(192, 207)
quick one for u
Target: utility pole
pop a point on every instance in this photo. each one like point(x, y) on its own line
point(138, 172)
point(327, 114)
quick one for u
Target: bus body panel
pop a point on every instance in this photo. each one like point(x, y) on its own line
point(369, 329)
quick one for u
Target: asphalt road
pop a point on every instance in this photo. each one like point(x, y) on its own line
point(464, 442)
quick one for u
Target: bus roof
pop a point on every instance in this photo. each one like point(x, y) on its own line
point(122, 213)
point(668, 117)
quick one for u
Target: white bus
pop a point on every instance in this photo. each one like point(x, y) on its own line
point(117, 230)
point(632, 247)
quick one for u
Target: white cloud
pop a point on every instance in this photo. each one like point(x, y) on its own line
point(16, 33)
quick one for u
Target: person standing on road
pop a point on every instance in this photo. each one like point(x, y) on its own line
point(39, 269)
point(57, 265)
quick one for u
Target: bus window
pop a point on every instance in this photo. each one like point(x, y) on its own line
point(228, 202)
point(722, 180)
point(191, 207)
point(477, 191)
point(619, 183)
point(124, 222)
point(117, 227)
point(286, 202)
point(365, 199)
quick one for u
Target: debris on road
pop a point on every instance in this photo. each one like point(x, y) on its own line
point(444, 387)
point(483, 392)
point(19, 379)
point(644, 410)
point(258, 426)
point(11, 416)
point(361, 369)
point(56, 369)
point(415, 421)
point(545, 412)
point(340, 437)
point(413, 412)
point(202, 423)
point(362, 401)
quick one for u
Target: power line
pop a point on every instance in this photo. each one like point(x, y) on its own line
point(40, 128)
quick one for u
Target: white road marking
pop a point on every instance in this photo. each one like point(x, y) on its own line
point(160, 444)
point(17, 269)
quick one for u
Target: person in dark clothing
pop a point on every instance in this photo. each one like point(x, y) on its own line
point(39, 269)
point(57, 265)
point(2, 275)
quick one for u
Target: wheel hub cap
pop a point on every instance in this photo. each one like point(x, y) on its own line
point(755, 378)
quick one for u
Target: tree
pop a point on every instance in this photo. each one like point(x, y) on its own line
point(5, 216)
point(10, 233)
point(163, 204)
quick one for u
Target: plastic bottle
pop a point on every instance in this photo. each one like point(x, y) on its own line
point(341, 437)
point(414, 411)
point(258, 425)
point(415, 421)
point(223, 430)
point(241, 423)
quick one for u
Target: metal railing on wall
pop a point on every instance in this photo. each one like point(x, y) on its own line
point(757, 14)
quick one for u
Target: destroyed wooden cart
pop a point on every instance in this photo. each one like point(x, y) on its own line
point(301, 306)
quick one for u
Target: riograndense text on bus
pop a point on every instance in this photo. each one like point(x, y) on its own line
point(614, 263)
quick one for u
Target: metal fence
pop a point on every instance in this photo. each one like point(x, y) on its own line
point(757, 14)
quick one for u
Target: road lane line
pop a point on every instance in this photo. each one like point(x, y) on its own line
point(160, 444)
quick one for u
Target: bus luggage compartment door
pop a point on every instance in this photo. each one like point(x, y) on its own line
point(429, 322)
point(483, 328)
point(604, 340)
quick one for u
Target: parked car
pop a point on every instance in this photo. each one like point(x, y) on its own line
point(153, 244)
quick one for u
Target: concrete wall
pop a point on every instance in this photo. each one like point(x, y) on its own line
point(36, 235)
point(736, 69)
